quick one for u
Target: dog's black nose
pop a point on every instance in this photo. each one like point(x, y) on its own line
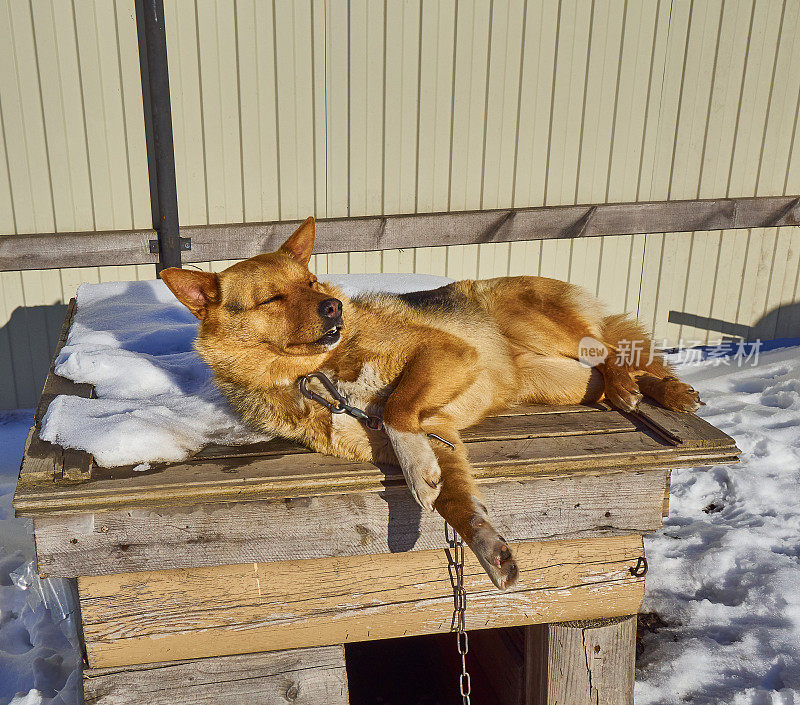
point(330, 309)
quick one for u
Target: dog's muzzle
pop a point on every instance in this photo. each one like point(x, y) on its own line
point(331, 336)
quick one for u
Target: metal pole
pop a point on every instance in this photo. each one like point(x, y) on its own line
point(158, 128)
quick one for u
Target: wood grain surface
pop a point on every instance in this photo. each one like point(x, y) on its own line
point(312, 474)
point(369, 233)
point(314, 676)
point(164, 615)
point(583, 663)
point(156, 538)
point(43, 462)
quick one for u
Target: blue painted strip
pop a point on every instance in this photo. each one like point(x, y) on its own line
point(732, 348)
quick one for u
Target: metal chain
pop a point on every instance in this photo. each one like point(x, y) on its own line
point(455, 567)
point(455, 550)
point(340, 405)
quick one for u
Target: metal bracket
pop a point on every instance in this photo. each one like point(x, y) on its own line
point(640, 568)
point(787, 212)
point(578, 228)
point(185, 245)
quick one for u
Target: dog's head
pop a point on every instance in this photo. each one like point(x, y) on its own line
point(271, 303)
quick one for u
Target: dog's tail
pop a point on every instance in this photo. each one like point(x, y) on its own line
point(634, 349)
point(626, 337)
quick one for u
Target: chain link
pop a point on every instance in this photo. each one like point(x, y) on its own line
point(455, 567)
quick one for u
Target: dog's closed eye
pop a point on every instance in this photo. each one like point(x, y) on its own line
point(272, 299)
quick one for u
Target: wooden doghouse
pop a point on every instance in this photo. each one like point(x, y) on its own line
point(244, 571)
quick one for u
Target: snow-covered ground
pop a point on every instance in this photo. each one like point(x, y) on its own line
point(723, 586)
point(38, 664)
point(725, 569)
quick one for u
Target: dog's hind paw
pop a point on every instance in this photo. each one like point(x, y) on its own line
point(679, 396)
point(622, 392)
point(670, 392)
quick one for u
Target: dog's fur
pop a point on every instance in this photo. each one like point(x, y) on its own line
point(428, 362)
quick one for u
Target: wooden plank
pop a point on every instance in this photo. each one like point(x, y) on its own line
point(76, 466)
point(504, 225)
point(314, 676)
point(41, 462)
point(582, 662)
point(516, 423)
point(54, 251)
point(46, 460)
point(55, 384)
point(238, 241)
point(554, 425)
point(534, 645)
point(157, 616)
point(688, 430)
point(313, 474)
point(156, 538)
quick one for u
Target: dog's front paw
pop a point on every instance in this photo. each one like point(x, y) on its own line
point(419, 465)
point(492, 551)
point(495, 556)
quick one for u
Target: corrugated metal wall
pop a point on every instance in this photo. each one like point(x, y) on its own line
point(72, 158)
point(338, 107)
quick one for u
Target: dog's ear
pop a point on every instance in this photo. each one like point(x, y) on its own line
point(195, 290)
point(301, 244)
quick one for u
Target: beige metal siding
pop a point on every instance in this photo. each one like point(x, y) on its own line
point(335, 107)
point(74, 158)
point(425, 106)
point(73, 136)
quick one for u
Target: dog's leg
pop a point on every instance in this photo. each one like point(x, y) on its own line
point(460, 504)
point(430, 380)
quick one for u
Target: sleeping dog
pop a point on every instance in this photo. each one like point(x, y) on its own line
point(432, 362)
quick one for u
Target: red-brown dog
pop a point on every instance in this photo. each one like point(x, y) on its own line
point(427, 362)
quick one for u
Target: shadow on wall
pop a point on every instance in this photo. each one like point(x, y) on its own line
point(28, 339)
point(27, 342)
point(781, 322)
